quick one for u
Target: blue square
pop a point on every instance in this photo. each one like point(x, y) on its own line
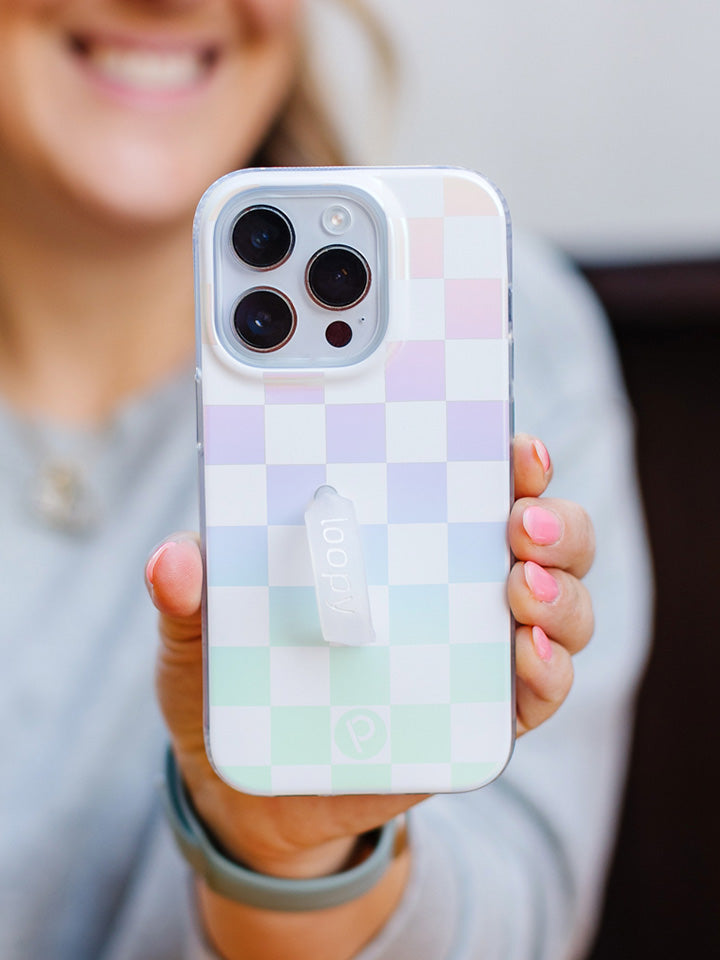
point(477, 552)
point(374, 539)
point(289, 491)
point(417, 492)
point(293, 617)
point(419, 614)
point(237, 556)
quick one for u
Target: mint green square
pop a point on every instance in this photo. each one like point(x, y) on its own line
point(249, 779)
point(361, 778)
point(419, 614)
point(300, 735)
point(239, 676)
point(480, 672)
point(293, 617)
point(468, 776)
point(420, 734)
point(359, 676)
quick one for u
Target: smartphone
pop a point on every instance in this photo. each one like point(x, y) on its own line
point(355, 416)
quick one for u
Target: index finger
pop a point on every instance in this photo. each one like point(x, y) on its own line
point(532, 468)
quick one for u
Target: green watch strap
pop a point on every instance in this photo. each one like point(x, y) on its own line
point(235, 882)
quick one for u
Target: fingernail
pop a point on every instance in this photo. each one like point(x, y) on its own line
point(541, 642)
point(542, 584)
point(155, 556)
point(542, 526)
point(542, 454)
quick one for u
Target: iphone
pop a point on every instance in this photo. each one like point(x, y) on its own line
point(354, 390)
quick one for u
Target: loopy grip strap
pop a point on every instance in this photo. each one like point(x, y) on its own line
point(339, 569)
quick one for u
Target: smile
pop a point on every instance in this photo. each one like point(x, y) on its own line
point(146, 69)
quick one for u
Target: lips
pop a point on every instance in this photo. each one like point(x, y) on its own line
point(145, 68)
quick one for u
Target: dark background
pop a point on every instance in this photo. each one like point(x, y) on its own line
point(663, 895)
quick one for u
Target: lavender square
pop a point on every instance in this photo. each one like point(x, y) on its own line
point(417, 493)
point(290, 489)
point(477, 430)
point(355, 433)
point(234, 434)
point(416, 371)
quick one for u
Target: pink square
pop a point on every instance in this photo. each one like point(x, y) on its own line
point(467, 198)
point(426, 247)
point(416, 371)
point(293, 389)
point(473, 309)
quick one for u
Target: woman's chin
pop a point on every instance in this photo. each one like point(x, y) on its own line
point(139, 194)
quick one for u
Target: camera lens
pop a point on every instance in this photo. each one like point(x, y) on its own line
point(262, 237)
point(338, 277)
point(264, 320)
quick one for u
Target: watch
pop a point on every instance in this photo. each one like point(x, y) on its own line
point(236, 882)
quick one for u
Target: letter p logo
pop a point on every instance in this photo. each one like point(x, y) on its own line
point(360, 733)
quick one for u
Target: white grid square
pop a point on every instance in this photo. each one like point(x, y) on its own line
point(299, 676)
point(416, 432)
point(419, 196)
point(426, 309)
point(479, 613)
point(240, 736)
point(478, 492)
point(295, 433)
point(417, 553)
point(339, 715)
point(476, 369)
point(365, 484)
point(480, 732)
point(235, 495)
point(289, 563)
point(474, 247)
point(238, 616)
point(301, 779)
point(380, 614)
point(421, 777)
point(420, 674)
point(223, 385)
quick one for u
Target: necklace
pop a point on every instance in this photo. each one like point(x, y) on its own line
point(61, 496)
point(60, 490)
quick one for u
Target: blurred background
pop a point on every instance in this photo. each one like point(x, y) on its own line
point(600, 120)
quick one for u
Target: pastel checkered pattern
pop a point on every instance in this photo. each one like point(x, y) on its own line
point(418, 437)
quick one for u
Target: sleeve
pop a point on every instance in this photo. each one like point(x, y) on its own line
point(516, 870)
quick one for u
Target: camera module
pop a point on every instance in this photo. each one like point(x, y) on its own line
point(263, 237)
point(338, 277)
point(264, 320)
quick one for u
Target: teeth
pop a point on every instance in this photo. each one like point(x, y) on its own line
point(148, 69)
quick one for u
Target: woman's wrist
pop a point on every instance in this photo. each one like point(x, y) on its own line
point(238, 931)
point(318, 861)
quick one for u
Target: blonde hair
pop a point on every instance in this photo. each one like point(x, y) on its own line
point(303, 133)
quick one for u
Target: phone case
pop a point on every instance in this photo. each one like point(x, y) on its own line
point(417, 436)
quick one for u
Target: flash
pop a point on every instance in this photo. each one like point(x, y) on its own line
point(336, 219)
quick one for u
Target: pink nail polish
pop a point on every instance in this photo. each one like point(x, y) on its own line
point(152, 562)
point(542, 584)
point(542, 526)
point(542, 454)
point(541, 642)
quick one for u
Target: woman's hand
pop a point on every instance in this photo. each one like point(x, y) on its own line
point(554, 546)
point(310, 836)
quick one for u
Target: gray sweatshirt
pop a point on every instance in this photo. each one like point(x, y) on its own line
point(88, 870)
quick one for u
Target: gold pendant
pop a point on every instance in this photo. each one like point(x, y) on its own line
point(62, 499)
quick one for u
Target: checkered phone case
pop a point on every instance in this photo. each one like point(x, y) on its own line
point(417, 435)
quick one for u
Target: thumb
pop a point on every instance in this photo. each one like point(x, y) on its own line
point(532, 469)
point(174, 576)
